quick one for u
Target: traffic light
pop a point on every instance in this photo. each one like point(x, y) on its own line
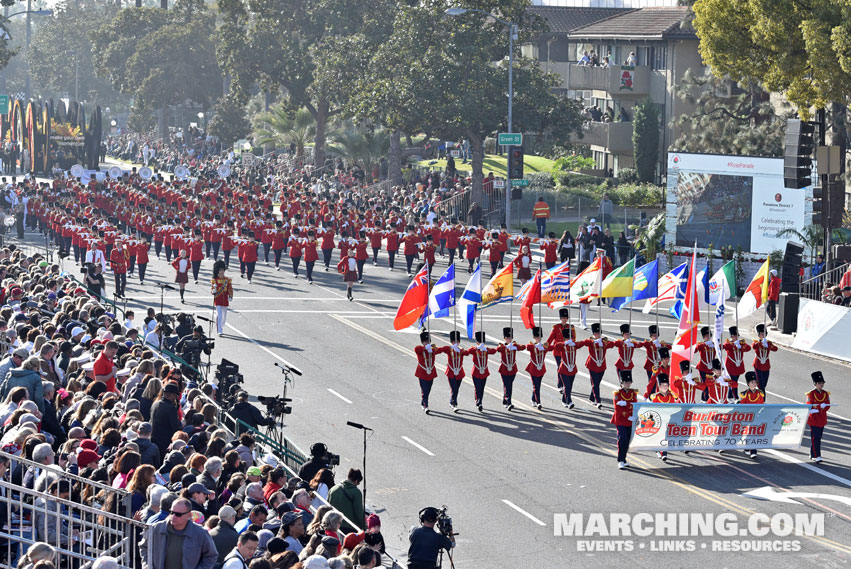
point(515, 162)
point(835, 203)
point(797, 155)
point(818, 205)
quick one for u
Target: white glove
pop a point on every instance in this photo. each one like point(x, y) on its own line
point(621, 403)
point(764, 343)
point(813, 411)
point(481, 347)
point(738, 344)
point(657, 343)
point(632, 419)
point(540, 346)
point(723, 383)
point(629, 343)
point(456, 347)
point(570, 343)
point(598, 341)
point(687, 377)
point(512, 347)
point(823, 405)
point(428, 347)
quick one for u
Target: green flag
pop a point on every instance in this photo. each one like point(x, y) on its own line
point(722, 285)
point(619, 281)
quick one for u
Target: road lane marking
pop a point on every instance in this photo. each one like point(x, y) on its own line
point(524, 512)
point(264, 348)
point(418, 445)
point(812, 468)
point(332, 392)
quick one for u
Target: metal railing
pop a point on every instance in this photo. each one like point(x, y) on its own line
point(813, 288)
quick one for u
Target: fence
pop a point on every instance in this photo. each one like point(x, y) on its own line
point(813, 288)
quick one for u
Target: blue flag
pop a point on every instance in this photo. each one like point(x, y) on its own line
point(442, 296)
point(645, 284)
point(470, 298)
point(702, 291)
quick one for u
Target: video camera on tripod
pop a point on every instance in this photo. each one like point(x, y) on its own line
point(229, 379)
point(276, 406)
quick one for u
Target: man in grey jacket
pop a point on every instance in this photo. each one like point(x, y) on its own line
point(13, 361)
point(177, 542)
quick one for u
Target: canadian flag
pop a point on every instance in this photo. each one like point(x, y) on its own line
point(686, 336)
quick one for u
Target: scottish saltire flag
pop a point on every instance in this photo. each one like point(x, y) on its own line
point(645, 285)
point(442, 296)
point(470, 298)
point(672, 286)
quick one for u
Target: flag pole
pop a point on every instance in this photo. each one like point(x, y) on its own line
point(481, 316)
point(428, 298)
point(540, 277)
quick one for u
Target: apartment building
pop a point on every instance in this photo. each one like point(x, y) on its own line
point(637, 52)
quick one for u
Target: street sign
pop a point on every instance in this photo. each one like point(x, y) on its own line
point(520, 183)
point(498, 183)
point(4, 104)
point(509, 139)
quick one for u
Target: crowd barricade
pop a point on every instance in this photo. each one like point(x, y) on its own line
point(813, 287)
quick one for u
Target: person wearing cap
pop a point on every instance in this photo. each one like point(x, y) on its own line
point(626, 349)
point(773, 295)
point(663, 395)
point(480, 371)
point(536, 368)
point(734, 362)
point(473, 249)
point(685, 387)
point(118, 260)
point(221, 288)
point(550, 249)
point(557, 332)
point(752, 396)
point(762, 349)
point(426, 369)
point(508, 365)
point(706, 353)
point(181, 266)
point(651, 347)
point(249, 255)
point(596, 362)
point(664, 367)
point(819, 401)
point(564, 351)
point(361, 254)
point(224, 536)
point(715, 384)
point(140, 249)
point(292, 529)
point(454, 366)
point(311, 255)
point(622, 417)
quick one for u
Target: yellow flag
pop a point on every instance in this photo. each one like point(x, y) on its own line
point(500, 288)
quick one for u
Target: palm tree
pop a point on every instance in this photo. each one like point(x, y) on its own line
point(811, 237)
point(360, 145)
point(648, 239)
point(281, 128)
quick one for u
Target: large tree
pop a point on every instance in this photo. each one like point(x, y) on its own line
point(279, 45)
point(744, 123)
point(161, 57)
point(60, 54)
point(447, 77)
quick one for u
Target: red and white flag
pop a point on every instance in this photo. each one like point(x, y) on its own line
point(686, 337)
point(414, 302)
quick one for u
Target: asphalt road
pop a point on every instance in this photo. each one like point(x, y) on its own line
point(507, 476)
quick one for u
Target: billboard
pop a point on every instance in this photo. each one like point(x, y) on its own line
point(731, 201)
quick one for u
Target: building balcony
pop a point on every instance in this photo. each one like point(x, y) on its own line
point(615, 137)
point(618, 81)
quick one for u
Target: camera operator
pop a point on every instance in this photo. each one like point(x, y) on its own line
point(249, 413)
point(318, 460)
point(191, 346)
point(426, 543)
point(184, 325)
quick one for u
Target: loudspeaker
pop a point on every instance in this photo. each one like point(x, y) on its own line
point(792, 259)
point(842, 253)
point(787, 312)
point(797, 155)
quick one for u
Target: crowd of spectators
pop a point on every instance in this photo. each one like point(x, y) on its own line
point(81, 398)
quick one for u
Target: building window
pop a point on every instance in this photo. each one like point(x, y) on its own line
point(643, 55)
point(660, 57)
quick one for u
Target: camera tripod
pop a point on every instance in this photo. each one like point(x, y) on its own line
point(449, 555)
point(275, 431)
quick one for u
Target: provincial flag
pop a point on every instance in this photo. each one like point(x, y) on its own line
point(414, 302)
point(442, 296)
point(586, 285)
point(645, 285)
point(470, 299)
point(757, 292)
point(722, 284)
point(672, 286)
point(500, 288)
point(619, 282)
point(686, 336)
point(532, 297)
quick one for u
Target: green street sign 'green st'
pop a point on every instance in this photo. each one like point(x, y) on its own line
point(4, 104)
point(520, 183)
point(509, 139)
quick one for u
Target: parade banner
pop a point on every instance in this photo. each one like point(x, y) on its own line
point(680, 427)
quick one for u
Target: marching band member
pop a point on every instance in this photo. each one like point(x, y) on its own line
point(310, 255)
point(715, 385)
point(652, 347)
point(142, 248)
point(622, 417)
point(425, 354)
point(753, 396)
point(762, 350)
point(222, 289)
point(664, 368)
point(348, 267)
point(508, 365)
point(596, 362)
point(524, 264)
point(550, 249)
point(706, 352)
point(474, 247)
point(564, 351)
point(536, 369)
point(685, 387)
point(495, 247)
point(663, 395)
point(295, 244)
point(454, 366)
point(819, 400)
point(626, 349)
point(480, 374)
point(410, 243)
point(249, 255)
point(279, 243)
point(557, 333)
point(361, 254)
point(734, 363)
point(181, 266)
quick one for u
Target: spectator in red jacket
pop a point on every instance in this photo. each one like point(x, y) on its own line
point(773, 295)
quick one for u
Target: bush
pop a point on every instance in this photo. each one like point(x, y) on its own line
point(636, 195)
point(573, 163)
point(572, 179)
point(541, 181)
point(627, 176)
